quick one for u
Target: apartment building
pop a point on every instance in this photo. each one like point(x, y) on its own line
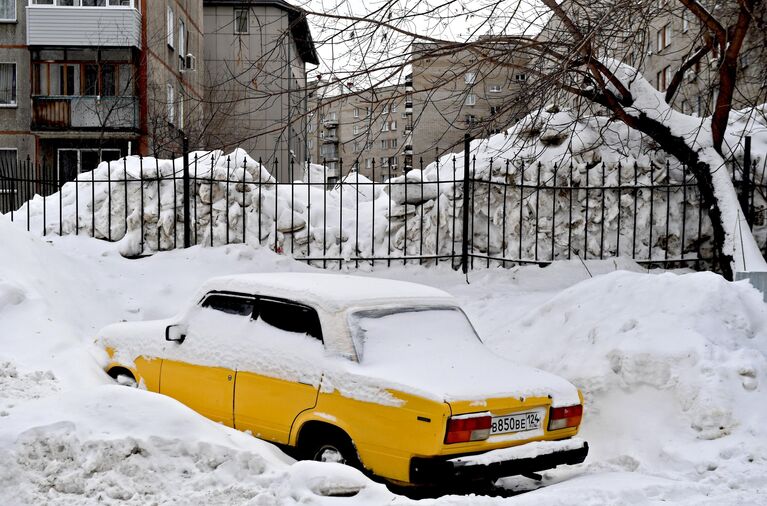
point(462, 89)
point(84, 81)
point(369, 130)
point(256, 52)
point(673, 35)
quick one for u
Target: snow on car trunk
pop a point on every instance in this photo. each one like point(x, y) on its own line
point(434, 351)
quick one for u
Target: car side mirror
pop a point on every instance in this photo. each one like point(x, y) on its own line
point(175, 333)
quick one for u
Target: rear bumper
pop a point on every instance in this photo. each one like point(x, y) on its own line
point(523, 459)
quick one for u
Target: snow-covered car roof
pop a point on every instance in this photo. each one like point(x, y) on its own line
point(332, 291)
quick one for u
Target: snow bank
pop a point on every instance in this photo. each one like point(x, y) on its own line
point(236, 200)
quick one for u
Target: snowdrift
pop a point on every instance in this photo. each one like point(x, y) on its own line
point(673, 368)
point(235, 199)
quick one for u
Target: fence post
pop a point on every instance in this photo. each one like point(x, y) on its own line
point(187, 221)
point(745, 184)
point(466, 203)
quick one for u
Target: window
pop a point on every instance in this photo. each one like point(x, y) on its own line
point(230, 304)
point(664, 37)
point(8, 84)
point(181, 44)
point(470, 77)
point(356, 147)
point(495, 88)
point(72, 161)
point(385, 126)
point(394, 108)
point(393, 125)
point(368, 163)
point(393, 143)
point(241, 21)
point(171, 26)
point(356, 129)
point(471, 119)
point(664, 79)
point(171, 105)
point(181, 102)
point(685, 21)
point(471, 99)
point(367, 112)
point(8, 160)
point(520, 78)
point(289, 317)
point(7, 10)
point(356, 112)
point(494, 110)
point(385, 109)
point(310, 144)
point(384, 144)
point(685, 107)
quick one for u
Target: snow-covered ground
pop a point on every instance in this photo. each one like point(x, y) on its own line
point(673, 367)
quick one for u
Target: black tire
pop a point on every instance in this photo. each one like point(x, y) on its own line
point(123, 377)
point(330, 445)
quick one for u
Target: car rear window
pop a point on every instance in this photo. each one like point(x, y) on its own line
point(388, 333)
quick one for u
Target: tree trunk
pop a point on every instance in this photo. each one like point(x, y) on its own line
point(677, 147)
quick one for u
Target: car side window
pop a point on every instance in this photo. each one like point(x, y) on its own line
point(290, 317)
point(230, 304)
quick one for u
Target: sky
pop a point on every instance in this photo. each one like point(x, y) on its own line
point(351, 46)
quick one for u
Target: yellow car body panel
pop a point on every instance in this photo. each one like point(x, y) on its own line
point(146, 371)
point(268, 406)
point(385, 436)
point(388, 437)
point(207, 390)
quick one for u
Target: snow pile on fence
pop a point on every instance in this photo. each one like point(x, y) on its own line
point(552, 187)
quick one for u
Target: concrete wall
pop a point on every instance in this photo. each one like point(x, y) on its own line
point(83, 26)
point(255, 86)
point(15, 121)
point(164, 134)
point(441, 94)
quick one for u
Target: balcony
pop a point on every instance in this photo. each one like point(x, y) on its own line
point(409, 107)
point(87, 113)
point(330, 139)
point(330, 122)
point(108, 26)
point(408, 149)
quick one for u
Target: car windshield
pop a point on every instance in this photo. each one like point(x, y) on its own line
point(389, 333)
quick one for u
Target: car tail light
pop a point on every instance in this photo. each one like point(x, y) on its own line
point(463, 428)
point(568, 416)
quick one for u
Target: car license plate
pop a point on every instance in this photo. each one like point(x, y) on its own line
point(518, 422)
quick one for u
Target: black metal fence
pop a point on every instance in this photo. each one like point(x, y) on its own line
point(465, 212)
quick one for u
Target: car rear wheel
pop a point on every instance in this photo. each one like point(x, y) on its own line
point(329, 445)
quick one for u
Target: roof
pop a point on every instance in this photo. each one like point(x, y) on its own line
point(299, 26)
point(335, 290)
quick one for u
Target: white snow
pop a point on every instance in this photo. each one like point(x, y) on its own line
point(362, 218)
point(527, 451)
point(673, 369)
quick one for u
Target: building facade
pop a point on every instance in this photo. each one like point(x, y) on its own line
point(85, 81)
point(256, 52)
point(461, 89)
point(367, 130)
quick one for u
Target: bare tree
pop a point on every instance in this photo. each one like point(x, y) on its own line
point(587, 50)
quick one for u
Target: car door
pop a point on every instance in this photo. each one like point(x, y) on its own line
point(200, 371)
point(285, 376)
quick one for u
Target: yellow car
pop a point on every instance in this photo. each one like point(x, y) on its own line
point(387, 376)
